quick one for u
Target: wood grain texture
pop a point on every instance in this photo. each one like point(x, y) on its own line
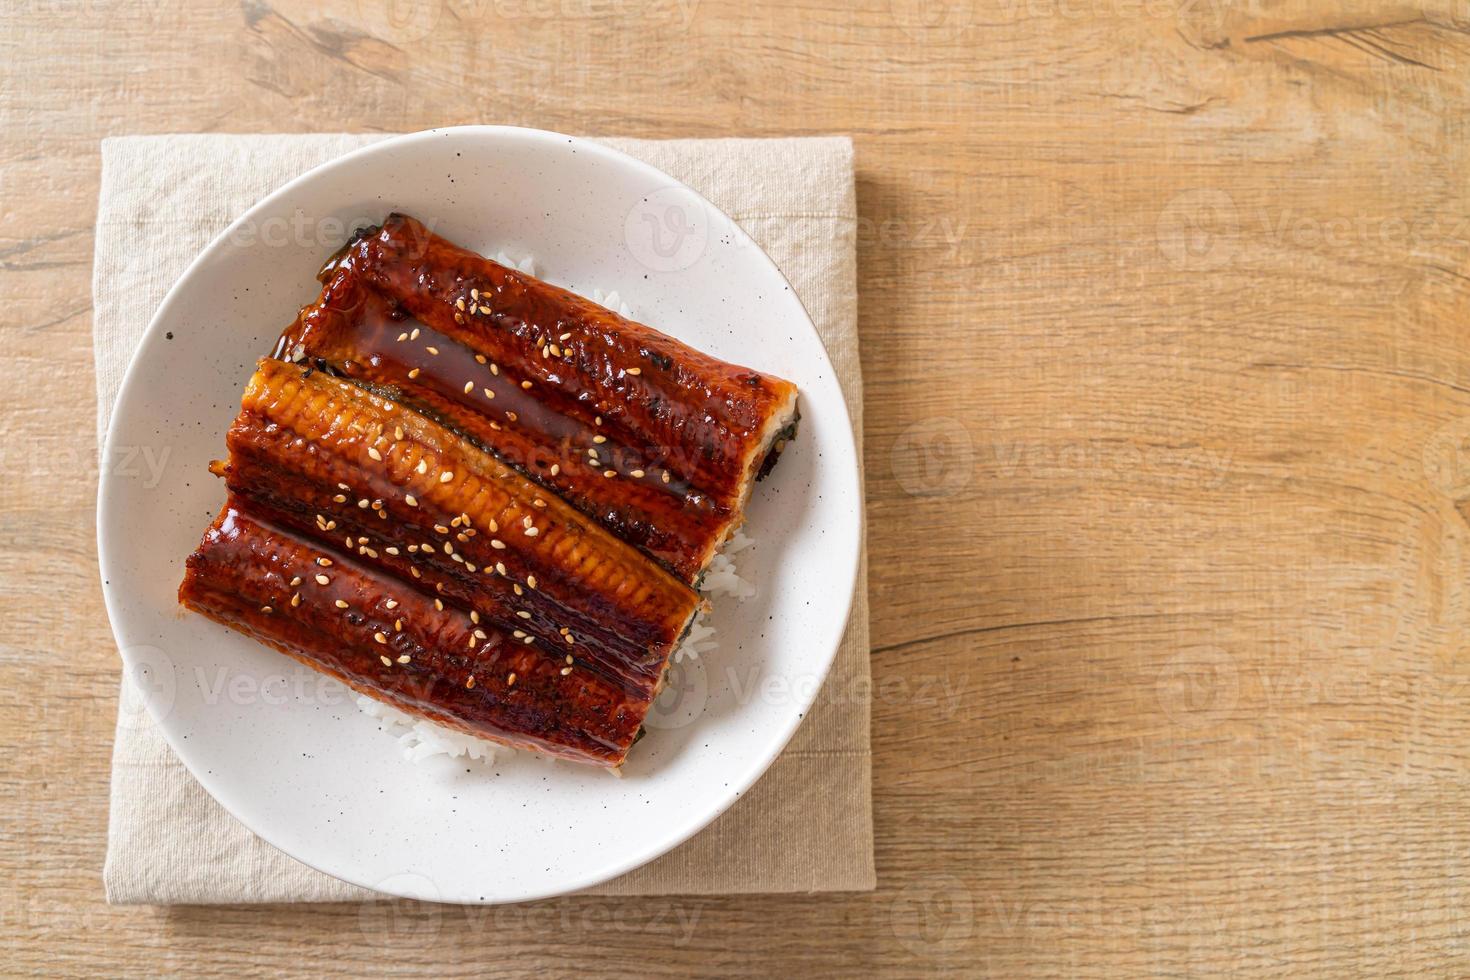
point(1168, 466)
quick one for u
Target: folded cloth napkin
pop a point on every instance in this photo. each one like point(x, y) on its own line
point(805, 826)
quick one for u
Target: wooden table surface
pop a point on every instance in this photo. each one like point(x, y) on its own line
point(1168, 466)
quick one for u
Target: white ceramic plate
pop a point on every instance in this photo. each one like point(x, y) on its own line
point(287, 752)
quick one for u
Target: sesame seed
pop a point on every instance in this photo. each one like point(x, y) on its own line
point(480, 634)
point(386, 661)
point(480, 358)
point(494, 525)
point(392, 550)
point(555, 468)
point(497, 544)
point(439, 604)
point(637, 474)
point(599, 439)
point(488, 392)
point(565, 671)
point(423, 466)
point(363, 503)
point(432, 350)
point(565, 336)
point(531, 581)
point(380, 637)
point(413, 373)
point(510, 681)
point(403, 336)
point(373, 452)
point(569, 658)
point(485, 310)
point(635, 371)
point(398, 625)
point(391, 604)
point(266, 610)
point(459, 304)
point(529, 639)
point(340, 498)
point(398, 432)
point(531, 532)
point(446, 476)
point(538, 502)
point(340, 604)
point(525, 384)
point(411, 500)
point(597, 419)
point(348, 542)
point(474, 616)
point(517, 589)
point(523, 614)
point(474, 293)
point(322, 580)
point(412, 548)
point(495, 369)
point(570, 640)
point(609, 473)
point(545, 351)
point(555, 351)
point(414, 335)
point(441, 528)
point(471, 682)
point(414, 572)
point(404, 659)
point(469, 566)
point(519, 634)
point(343, 486)
point(295, 580)
point(666, 476)
point(500, 567)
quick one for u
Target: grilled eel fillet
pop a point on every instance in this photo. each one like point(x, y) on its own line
point(658, 442)
point(367, 540)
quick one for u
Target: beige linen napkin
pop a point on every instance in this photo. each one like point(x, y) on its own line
point(805, 826)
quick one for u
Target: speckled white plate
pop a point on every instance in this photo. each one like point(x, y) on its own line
point(286, 751)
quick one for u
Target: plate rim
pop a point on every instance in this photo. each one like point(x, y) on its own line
point(851, 552)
